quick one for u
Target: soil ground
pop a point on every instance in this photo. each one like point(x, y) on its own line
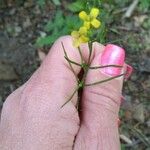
point(21, 25)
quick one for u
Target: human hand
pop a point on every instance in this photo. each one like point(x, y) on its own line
point(32, 117)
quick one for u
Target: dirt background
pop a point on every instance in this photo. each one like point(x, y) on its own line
point(21, 25)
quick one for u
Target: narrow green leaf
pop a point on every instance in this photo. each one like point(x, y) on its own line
point(76, 6)
point(56, 2)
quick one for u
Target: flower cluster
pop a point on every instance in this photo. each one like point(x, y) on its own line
point(89, 21)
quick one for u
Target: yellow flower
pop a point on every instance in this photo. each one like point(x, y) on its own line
point(80, 36)
point(90, 19)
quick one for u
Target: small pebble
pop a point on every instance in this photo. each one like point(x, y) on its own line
point(148, 123)
point(18, 29)
point(12, 11)
point(27, 23)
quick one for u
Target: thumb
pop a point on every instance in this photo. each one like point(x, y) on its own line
point(101, 102)
point(32, 118)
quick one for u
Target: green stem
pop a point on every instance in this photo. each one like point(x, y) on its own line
point(82, 61)
point(70, 97)
point(111, 78)
point(90, 51)
point(73, 62)
point(66, 56)
point(97, 67)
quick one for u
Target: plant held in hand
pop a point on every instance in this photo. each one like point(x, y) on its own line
point(85, 35)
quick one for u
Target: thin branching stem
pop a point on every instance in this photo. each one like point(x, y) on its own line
point(90, 44)
point(71, 97)
point(66, 56)
point(73, 62)
point(81, 56)
point(97, 67)
point(98, 82)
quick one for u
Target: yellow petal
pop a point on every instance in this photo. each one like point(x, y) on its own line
point(83, 39)
point(83, 15)
point(83, 30)
point(94, 12)
point(76, 43)
point(87, 24)
point(75, 34)
point(95, 23)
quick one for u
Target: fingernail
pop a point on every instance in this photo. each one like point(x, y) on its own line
point(129, 71)
point(112, 55)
